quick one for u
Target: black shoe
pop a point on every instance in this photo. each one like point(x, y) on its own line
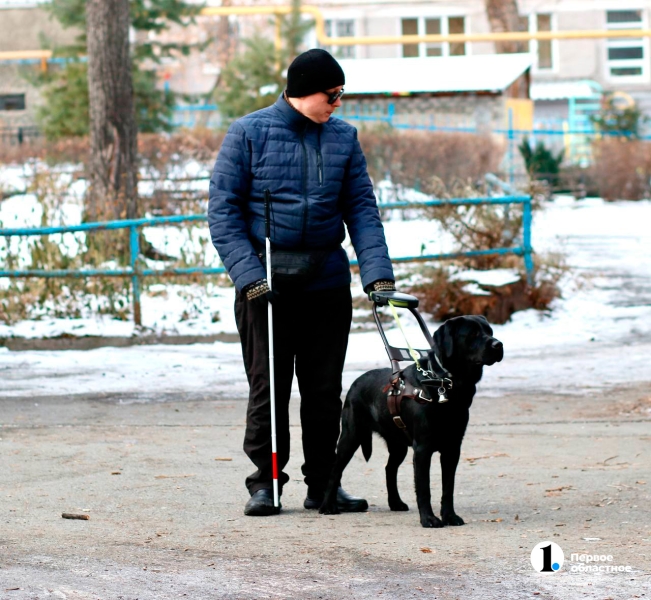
point(314, 499)
point(345, 502)
point(261, 504)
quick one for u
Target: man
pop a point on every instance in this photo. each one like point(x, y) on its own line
point(312, 169)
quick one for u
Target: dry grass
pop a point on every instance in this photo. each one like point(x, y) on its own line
point(164, 152)
point(423, 159)
point(157, 151)
point(70, 150)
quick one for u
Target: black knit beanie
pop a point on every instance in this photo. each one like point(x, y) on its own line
point(313, 71)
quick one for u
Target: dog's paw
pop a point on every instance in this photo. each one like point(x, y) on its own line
point(452, 519)
point(431, 521)
point(329, 509)
point(398, 505)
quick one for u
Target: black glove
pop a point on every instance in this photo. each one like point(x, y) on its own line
point(381, 285)
point(258, 291)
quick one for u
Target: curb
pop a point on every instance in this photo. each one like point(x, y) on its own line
point(91, 342)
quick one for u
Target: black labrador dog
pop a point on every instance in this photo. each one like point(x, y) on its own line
point(463, 346)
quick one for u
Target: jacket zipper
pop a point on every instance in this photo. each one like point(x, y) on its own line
point(319, 166)
point(304, 233)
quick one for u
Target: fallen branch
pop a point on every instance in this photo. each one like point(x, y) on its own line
point(496, 455)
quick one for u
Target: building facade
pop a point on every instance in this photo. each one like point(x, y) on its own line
point(25, 25)
point(615, 64)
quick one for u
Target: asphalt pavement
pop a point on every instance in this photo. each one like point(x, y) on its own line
point(162, 483)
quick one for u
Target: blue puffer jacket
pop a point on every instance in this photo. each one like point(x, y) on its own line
point(318, 181)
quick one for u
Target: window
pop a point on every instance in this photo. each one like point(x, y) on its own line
point(544, 47)
point(12, 102)
point(433, 26)
point(409, 27)
point(340, 28)
point(625, 57)
point(544, 50)
point(457, 25)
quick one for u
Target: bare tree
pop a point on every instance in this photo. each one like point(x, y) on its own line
point(112, 191)
point(503, 16)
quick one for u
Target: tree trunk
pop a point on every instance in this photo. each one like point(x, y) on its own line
point(503, 16)
point(112, 192)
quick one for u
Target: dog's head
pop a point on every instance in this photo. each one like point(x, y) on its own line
point(468, 340)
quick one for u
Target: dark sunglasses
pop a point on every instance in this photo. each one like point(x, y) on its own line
point(334, 96)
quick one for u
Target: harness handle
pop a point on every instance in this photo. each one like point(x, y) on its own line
point(414, 355)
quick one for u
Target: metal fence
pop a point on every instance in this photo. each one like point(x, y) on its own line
point(190, 116)
point(16, 136)
point(136, 270)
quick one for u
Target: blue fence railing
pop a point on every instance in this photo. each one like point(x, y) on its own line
point(136, 270)
point(524, 249)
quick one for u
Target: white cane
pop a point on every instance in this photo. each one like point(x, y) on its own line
point(272, 383)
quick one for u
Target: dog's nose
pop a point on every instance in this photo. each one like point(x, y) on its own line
point(496, 345)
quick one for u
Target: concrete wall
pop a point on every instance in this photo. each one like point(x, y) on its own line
point(483, 112)
point(24, 28)
point(13, 81)
point(579, 59)
point(381, 26)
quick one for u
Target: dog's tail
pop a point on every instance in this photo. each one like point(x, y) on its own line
point(367, 444)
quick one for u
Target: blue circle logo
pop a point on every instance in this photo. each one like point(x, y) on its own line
point(547, 557)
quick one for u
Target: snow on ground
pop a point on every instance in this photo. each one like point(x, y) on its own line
point(598, 334)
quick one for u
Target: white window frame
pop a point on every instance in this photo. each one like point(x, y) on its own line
point(643, 62)
point(335, 50)
point(445, 30)
point(533, 44)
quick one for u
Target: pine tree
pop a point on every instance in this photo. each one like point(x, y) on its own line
point(251, 81)
point(541, 162)
point(65, 90)
point(614, 119)
point(255, 77)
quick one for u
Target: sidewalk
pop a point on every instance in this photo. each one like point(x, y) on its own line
point(161, 478)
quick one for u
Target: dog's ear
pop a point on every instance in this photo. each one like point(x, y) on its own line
point(443, 339)
point(482, 318)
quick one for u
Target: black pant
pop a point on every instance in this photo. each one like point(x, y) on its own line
point(311, 331)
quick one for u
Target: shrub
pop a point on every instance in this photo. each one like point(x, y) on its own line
point(444, 298)
point(422, 160)
point(622, 168)
point(621, 120)
point(162, 151)
point(541, 162)
point(166, 153)
point(67, 150)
